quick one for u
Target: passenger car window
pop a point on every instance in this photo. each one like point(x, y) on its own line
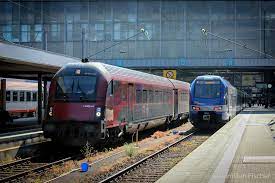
point(15, 96)
point(28, 96)
point(138, 96)
point(144, 96)
point(22, 96)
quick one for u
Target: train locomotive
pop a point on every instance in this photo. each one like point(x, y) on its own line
point(90, 102)
point(214, 101)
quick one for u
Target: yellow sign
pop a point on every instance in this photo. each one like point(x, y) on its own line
point(171, 74)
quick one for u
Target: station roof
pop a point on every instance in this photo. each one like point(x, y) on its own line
point(18, 61)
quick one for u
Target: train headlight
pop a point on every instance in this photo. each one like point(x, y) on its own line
point(51, 111)
point(196, 108)
point(98, 112)
point(217, 108)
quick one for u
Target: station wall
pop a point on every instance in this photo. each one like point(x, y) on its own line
point(174, 27)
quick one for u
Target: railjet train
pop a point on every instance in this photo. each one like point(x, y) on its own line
point(94, 101)
point(214, 101)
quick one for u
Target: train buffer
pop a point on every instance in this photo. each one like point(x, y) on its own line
point(241, 151)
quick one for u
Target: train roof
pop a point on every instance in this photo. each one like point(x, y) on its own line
point(123, 74)
point(21, 85)
point(209, 77)
point(214, 77)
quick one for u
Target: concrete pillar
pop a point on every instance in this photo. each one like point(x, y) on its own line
point(39, 102)
point(3, 94)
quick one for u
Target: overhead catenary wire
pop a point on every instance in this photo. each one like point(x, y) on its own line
point(142, 30)
point(205, 32)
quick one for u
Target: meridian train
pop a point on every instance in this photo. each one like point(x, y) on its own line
point(214, 101)
point(89, 102)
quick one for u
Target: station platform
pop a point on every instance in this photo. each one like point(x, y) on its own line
point(20, 124)
point(18, 143)
point(243, 150)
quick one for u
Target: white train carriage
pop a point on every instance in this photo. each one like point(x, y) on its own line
point(21, 98)
point(21, 103)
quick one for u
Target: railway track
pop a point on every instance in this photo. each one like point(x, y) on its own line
point(17, 170)
point(152, 167)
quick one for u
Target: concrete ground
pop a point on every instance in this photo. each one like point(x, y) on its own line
point(255, 158)
point(241, 151)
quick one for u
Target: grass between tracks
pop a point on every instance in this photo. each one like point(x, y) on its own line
point(147, 146)
point(9, 159)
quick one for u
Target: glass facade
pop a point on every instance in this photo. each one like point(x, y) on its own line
point(174, 27)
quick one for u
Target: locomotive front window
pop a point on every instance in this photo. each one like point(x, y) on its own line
point(77, 88)
point(207, 89)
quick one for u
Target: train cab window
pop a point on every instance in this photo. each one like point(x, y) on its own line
point(22, 96)
point(144, 96)
point(138, 96)
point(8, 96)
point(15, 96)
point(28, 96)
point(34, 96)
point(77, 88)
point(207, 89)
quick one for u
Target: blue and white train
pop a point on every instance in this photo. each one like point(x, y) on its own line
point(214, 101)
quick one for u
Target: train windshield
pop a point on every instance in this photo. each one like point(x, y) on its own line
point(76, 88)
point(207, 89)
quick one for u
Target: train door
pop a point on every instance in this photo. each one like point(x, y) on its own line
point(176, 104)
point(130, 102)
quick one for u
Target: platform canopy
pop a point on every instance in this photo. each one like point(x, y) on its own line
point(24, 62)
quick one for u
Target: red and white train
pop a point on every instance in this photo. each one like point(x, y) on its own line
point(94, 101)
point(21, 98)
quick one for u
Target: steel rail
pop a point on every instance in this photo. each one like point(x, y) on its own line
point(131, 167)
point(24, 173)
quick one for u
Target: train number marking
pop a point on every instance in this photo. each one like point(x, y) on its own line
point(88, 106)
